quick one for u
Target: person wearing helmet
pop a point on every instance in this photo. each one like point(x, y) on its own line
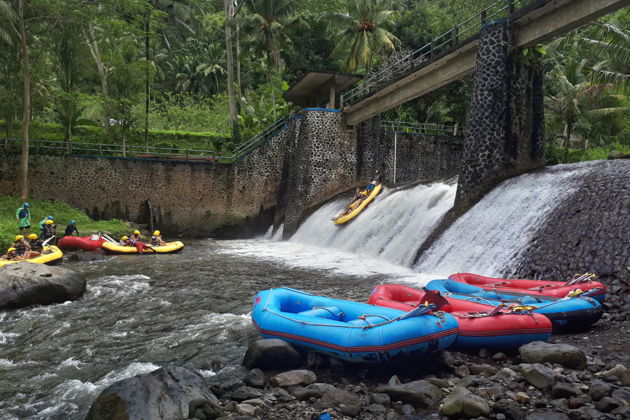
point(23, 217)
point(136, 235)
point(21, 246)
point(71, 228)
point(156, 239)
point(43, 222)
point(125, 241)
point(11, 255)
point(49, 230)
point(376, 179)
point(36, 247)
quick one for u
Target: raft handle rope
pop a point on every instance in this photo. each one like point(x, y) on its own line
point(339, 315)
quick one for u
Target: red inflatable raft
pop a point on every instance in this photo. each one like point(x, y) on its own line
point(479, 325)
point(76, 243)
point(558, 289)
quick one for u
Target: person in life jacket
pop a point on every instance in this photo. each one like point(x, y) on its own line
point(22, 247)
point(23, 217)
point(71, 228)
point(156, 239)
point(42, 222)
point(376, 179)
point(126, 241)
point(11, 255)
point(37, 246)
point(49, 230)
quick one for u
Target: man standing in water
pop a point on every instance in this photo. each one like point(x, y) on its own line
point(23, 217)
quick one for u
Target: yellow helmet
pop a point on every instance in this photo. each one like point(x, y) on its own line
point(11, 249)
point(49, 222)
point(18, 237)
point(32, 236)
point(136, 232)
point(156, 233)
point(124, 238)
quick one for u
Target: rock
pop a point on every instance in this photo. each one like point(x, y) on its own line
point(256, 402)
point(407, 410)
point(521, 397)
point(419, 393)
point(206, 408)
point(462, 370)
point(499, 357)
point(294, 378)
point(382, 399)
point(271, 353)
point(599, 390)
point(440, 383)
point(561, 390)
point(483, 370)
point(394, 381)
point(538, 375)
point(560, 404)
point(336, 397)
point(163, 393)
point(321, 387)
point(618, 372)
point(507, 375)
point(547, 415)
point(616, 154)
point(246, 409)
point(608, 404)
point(255, 378)
point(621, 394)
point(463, 403)
point(25, 284)
point(579, 401)
point(564, 354)
point(304, 394)
point(510, 408)
point(350, 410)
point(246, 393)
point(376, 408)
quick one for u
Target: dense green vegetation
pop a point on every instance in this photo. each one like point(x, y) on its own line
point(62, 214)
point(155, 72)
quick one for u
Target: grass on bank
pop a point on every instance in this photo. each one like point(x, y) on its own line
point(555, 155)
point(62, 214)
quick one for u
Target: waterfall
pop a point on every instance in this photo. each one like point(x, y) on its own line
point(392, 227)
point(490, 238)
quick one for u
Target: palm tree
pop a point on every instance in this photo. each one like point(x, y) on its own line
point(363, 32)
point(265, 25)
point(609, 42)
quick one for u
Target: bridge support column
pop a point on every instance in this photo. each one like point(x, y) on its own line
point(505, 128)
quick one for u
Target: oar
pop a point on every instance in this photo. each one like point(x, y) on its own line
point(47, 240)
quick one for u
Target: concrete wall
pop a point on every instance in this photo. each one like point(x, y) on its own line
point(312, 159)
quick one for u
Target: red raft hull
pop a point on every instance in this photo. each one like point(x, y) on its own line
point(477, 328)
point(558, 289)
point(76, 243)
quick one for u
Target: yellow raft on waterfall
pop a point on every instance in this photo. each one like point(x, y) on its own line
point(50, 255)
point(357, 207)
point(169, 248)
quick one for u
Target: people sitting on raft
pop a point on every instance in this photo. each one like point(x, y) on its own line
point(71, 228)
point(37, 246)
point(358, 197)
point(131, 241)
point(156, 239)
point(376, 179)
point(21, 246)
point(11, 255)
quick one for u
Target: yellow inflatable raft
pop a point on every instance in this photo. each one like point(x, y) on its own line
point(169, 248)
point(358, 207)
point(50, 255)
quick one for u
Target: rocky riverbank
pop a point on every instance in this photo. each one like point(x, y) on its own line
point(539, 381)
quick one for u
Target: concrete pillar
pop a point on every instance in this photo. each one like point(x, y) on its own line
point(505, 127)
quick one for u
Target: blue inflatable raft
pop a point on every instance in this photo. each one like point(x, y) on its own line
point(351, 331)
point(574, 313)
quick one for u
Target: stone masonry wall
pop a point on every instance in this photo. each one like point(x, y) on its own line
point(504, 133)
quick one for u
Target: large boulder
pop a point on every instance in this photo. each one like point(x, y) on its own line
point(165, 393)
point(271, 353)
point(25, 284)
point(418, 393)
point(564, 354)
point(538, 375)
point(294, 378)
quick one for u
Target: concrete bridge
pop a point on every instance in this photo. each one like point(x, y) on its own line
point(427, 69)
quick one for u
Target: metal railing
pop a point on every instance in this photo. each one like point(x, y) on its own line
point(56, 147)
point(423, 55)
point(426, 129)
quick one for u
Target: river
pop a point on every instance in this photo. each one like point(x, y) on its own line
point(140, 313)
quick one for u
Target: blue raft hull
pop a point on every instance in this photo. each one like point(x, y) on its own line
point(350, 331)
point(575, 313)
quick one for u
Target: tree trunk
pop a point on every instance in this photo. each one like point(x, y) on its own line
point(100, 66)
point(273, 92)
point(568, 140)
point(147, 82)
point(26, 118)
point(229, 14)
point(68, 137)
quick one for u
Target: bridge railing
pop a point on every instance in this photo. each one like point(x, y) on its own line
point(423, 55)
point(56, 147)
point(426, 129)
